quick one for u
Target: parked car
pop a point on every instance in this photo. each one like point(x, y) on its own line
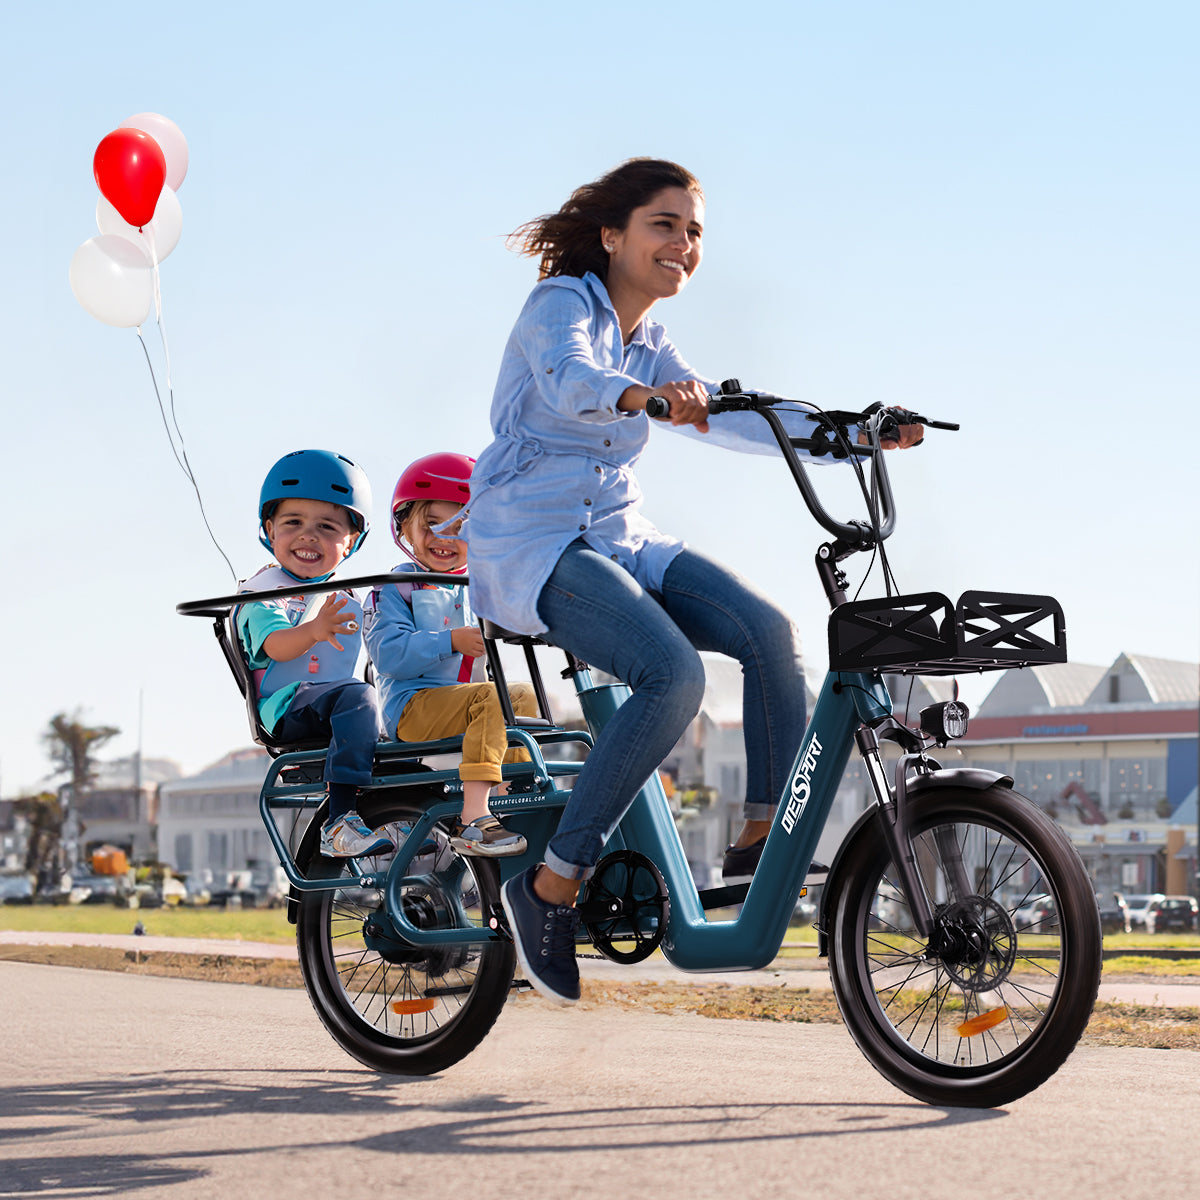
point(87, 888)
point(197, 893)
point(1136, 907)
point(16, 889)
point(1040, 915)
point(1171, 913)
point(1114, 916)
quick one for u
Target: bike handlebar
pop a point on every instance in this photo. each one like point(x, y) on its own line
point(831, 436)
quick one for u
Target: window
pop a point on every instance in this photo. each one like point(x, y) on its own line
point(732, 787)
point(183, 852)
point(1135, 785)
point(218, 851)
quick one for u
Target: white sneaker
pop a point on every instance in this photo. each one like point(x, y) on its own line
point(350, 837)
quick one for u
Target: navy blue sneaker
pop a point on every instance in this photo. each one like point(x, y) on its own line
point(544, 937)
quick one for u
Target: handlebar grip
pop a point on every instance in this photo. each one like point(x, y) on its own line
point(657, 407)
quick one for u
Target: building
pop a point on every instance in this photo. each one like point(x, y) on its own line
point(119, 808)
point(208, 823)
point(1111, 753)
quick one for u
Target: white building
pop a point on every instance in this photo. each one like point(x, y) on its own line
point(208, 824)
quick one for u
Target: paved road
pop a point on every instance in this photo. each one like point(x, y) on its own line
point(153, 1087)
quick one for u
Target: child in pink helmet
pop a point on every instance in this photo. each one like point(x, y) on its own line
point(428, 651)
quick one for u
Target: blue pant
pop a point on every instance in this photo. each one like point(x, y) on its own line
point(596, 610)
point(344, 711)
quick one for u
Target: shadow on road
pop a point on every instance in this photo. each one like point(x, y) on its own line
point(318, 1104)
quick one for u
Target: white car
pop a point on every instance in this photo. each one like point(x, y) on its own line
point(1039, 915)
point(1136, 907)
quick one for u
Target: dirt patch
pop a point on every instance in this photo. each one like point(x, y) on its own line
point(213, 968)
point(1150, 1026)
point(1147, 1026)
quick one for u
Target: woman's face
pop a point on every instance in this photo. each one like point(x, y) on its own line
point(658, 250)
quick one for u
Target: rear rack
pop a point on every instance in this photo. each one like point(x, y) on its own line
point(923, 634)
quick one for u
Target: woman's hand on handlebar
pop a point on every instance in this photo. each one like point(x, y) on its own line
point(893, 435)
point(687, 402)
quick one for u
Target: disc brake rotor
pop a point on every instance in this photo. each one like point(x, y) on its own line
point(975, 942)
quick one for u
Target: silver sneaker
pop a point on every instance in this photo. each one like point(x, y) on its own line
point(350, 837)
point(485, 837)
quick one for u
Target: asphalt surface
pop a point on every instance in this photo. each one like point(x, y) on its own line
point(151, 1087)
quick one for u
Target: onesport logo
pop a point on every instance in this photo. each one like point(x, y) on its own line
point(801, 784)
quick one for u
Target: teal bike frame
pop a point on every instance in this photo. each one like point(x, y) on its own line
point(691, 941)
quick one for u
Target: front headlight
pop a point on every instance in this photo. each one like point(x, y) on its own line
point(944, 722)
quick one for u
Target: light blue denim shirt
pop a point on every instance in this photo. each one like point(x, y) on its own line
point(561, 464)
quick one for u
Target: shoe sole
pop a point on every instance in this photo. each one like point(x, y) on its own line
point(384, 848)
point(541, 988)
point(475, 850)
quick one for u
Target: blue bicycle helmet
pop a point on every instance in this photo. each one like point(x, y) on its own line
point(317, 475)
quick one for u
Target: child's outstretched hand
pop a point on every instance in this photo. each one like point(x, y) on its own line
point(468, 640)
point(332, 621)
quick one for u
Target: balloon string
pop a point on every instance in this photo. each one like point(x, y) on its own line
point(181, 454)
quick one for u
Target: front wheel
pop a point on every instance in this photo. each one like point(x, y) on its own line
point(397, 1007)
point(989, 1006)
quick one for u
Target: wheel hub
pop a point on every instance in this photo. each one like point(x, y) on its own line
point(421, 910)
point(975, 942)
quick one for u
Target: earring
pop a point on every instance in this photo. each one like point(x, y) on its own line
point(609, 247)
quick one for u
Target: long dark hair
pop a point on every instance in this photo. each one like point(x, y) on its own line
point(568, 242)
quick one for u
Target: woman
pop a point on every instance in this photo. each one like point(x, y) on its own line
point(558, 546)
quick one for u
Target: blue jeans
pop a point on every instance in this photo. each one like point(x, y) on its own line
point(344, 711)
point(596, 610)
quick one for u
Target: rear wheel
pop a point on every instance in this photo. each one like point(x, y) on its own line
point(989, 1006)
point(395, 1006)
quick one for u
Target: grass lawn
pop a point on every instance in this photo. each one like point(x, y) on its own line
point(245, 925)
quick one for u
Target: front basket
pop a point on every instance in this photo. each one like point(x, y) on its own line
point(923, 634)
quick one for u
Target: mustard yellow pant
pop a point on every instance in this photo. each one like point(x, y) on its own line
point(472, 710)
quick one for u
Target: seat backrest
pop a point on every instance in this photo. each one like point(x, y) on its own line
point(235, 657)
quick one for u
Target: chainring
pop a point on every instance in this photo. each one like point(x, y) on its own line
point(624, 907)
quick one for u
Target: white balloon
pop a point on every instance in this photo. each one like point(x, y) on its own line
point(170, 141)
point(158, 237)
point(112, 278)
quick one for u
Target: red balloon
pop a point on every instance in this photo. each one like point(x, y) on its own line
point(130, 168)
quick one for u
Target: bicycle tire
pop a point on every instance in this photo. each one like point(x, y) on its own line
point(397, 1008)
point(988, 1008)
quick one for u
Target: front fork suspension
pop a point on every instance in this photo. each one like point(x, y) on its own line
point(892, 806)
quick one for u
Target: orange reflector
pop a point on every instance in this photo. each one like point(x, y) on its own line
point(982, 1023)
point(404, 1007)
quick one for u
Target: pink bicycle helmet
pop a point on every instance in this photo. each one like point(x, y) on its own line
point(442, 476)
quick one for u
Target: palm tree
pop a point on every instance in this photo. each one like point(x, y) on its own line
point(71, 744)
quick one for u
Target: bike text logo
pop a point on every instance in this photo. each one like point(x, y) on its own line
point(801, 784)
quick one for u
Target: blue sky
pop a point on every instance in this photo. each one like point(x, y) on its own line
point(986, 212)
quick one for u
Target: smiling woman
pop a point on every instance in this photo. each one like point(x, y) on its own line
point(558, 547)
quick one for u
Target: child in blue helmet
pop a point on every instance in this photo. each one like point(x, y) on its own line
point(313, 513)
